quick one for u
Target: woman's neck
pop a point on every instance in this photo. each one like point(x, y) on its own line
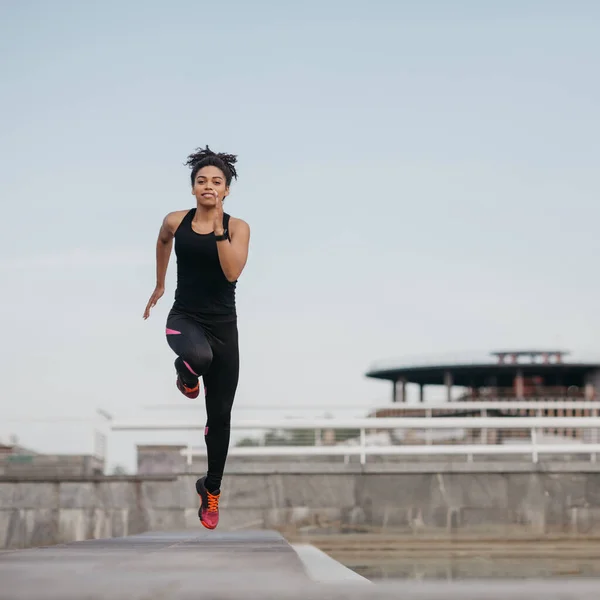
point(204, 214)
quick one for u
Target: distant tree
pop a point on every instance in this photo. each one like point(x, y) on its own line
point(119, 470)
point(289, 437)
point(341, 435)
point(248, 442)
point(277, 438)
point(304, 437)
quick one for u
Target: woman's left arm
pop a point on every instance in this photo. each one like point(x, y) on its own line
point(234, 254)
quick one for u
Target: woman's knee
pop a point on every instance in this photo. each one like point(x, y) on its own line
point(219, 419)
point(189, 343)
point(197, 361)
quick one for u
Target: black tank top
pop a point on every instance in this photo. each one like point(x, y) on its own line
point(202, 287)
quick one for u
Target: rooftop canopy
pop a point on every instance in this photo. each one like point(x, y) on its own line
point(497, 369)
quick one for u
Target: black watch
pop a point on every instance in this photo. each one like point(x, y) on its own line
point(222, 237)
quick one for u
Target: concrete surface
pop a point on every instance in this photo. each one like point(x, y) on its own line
point(443, 502)
point(149, 565)
point(210, 565)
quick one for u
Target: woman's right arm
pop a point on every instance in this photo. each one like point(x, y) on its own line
point(164, 244)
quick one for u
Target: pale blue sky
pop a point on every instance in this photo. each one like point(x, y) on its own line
point(418, 176)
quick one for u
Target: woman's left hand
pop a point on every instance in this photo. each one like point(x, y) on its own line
point(218, 222)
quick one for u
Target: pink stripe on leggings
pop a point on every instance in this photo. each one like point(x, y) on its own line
point(173, 332)
point(190, 368)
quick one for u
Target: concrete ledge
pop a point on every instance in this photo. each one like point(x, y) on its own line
point(84, 478)
point(152, 565)
point(307, 468)
point(322, 568)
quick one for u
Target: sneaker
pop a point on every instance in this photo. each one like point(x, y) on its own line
point(188, 392)
point(209, 505)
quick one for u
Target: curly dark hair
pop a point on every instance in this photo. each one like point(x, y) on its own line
point(204, 157)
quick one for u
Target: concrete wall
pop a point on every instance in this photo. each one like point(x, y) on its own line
point(491, 499)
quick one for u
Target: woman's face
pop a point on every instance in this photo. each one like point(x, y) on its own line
point(208, 182)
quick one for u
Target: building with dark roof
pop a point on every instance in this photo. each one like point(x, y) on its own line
point(508, 376)
point(519, 374)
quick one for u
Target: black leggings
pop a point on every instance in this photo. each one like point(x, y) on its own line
point(209, 350)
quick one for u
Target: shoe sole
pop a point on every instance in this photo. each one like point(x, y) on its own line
point(207, 526)
point(191, 395)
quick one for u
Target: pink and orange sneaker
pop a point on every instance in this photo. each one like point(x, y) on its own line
point(188, 392)
point(209, 505)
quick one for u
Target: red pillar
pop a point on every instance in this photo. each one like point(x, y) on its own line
point(519, 384)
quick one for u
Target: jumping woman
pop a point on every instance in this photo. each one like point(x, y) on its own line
point(201, 329)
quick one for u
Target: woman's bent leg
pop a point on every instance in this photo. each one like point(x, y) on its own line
point(189, 342)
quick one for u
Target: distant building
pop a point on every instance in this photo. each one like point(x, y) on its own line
point(18, 461)
point(530, 374)
point(14, 449)
point(508, 377)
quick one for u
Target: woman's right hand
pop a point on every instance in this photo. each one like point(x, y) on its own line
point(156, 296)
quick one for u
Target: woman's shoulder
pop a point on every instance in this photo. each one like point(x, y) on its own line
point(173, 219)
point(179, 214)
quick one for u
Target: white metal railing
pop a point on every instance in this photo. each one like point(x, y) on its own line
point(467, 450)
point(507, 403)
point(411, 436)
point(511, 422)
